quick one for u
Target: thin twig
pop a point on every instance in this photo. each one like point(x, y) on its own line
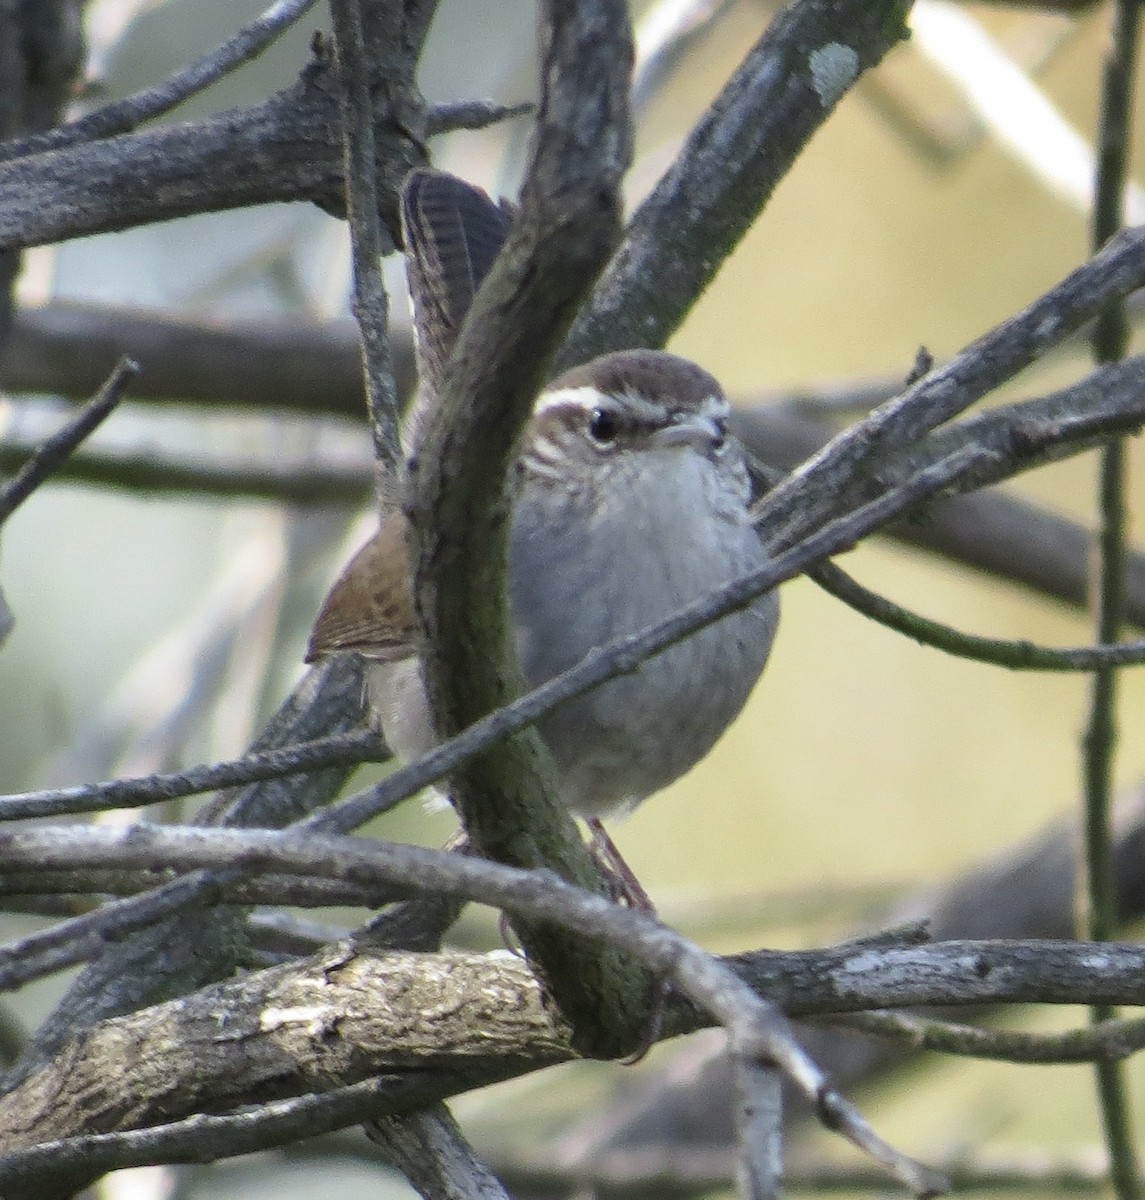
point(1109, 1041)
point(472, 114)
point(132, 111)
point(997, 356)
point(1027, 434)
point(339, 750)
point(369, 302)
point(203, 1137)
point(84, 937)
point(666, 1171)
point(1006, 538)
point(172, 473)
point(1098, 915)
point(1016, 655)
point(54, 451)
point(1097, 918)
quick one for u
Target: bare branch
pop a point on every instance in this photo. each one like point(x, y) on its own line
point(1030, 433)
point(825, 483)
point(566, 225)
point(1107, 1041)
point(665, 1172)
point(1006, 538)
point(68, 347)
point(199, 1138)
point(285, 148)
point(1016, 655)
point(472, 114)
point(54, 452)
point(1097, 891)
point(287, 1039)
point(370, 303)
point(756, 1029)
point(759, 1134)
point(146, 105)
point(784, 90)
point(84, 937)
point(175, 474)
point(430, 1150)
point(338, 750)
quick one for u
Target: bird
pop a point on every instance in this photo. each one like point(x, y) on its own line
point(629, 499)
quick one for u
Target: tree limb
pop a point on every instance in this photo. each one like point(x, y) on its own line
point(287, 147)
point(783, 91)
point(565, 227)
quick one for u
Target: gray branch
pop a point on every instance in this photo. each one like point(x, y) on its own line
point(289, 1011)
point(566, 225)
point(153, 102)
point(285, 148)
point(327, 1022)
point(51, 455)
point(340, 750)
point(783, 91)
point(841, 469)
point(298, 365)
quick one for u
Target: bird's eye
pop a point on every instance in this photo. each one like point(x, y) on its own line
point(603, 427)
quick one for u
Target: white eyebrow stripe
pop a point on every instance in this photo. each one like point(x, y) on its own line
point(587, 397)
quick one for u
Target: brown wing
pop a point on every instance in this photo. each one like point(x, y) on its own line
point(369, 608)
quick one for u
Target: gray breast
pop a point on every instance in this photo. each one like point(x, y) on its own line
point(585, 571)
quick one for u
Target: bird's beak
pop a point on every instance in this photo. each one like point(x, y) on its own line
point(699, 430)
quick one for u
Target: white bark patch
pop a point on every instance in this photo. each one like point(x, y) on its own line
point(833, 68)
point(314, 1017)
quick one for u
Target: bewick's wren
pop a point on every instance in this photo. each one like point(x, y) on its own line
point(629, 501)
